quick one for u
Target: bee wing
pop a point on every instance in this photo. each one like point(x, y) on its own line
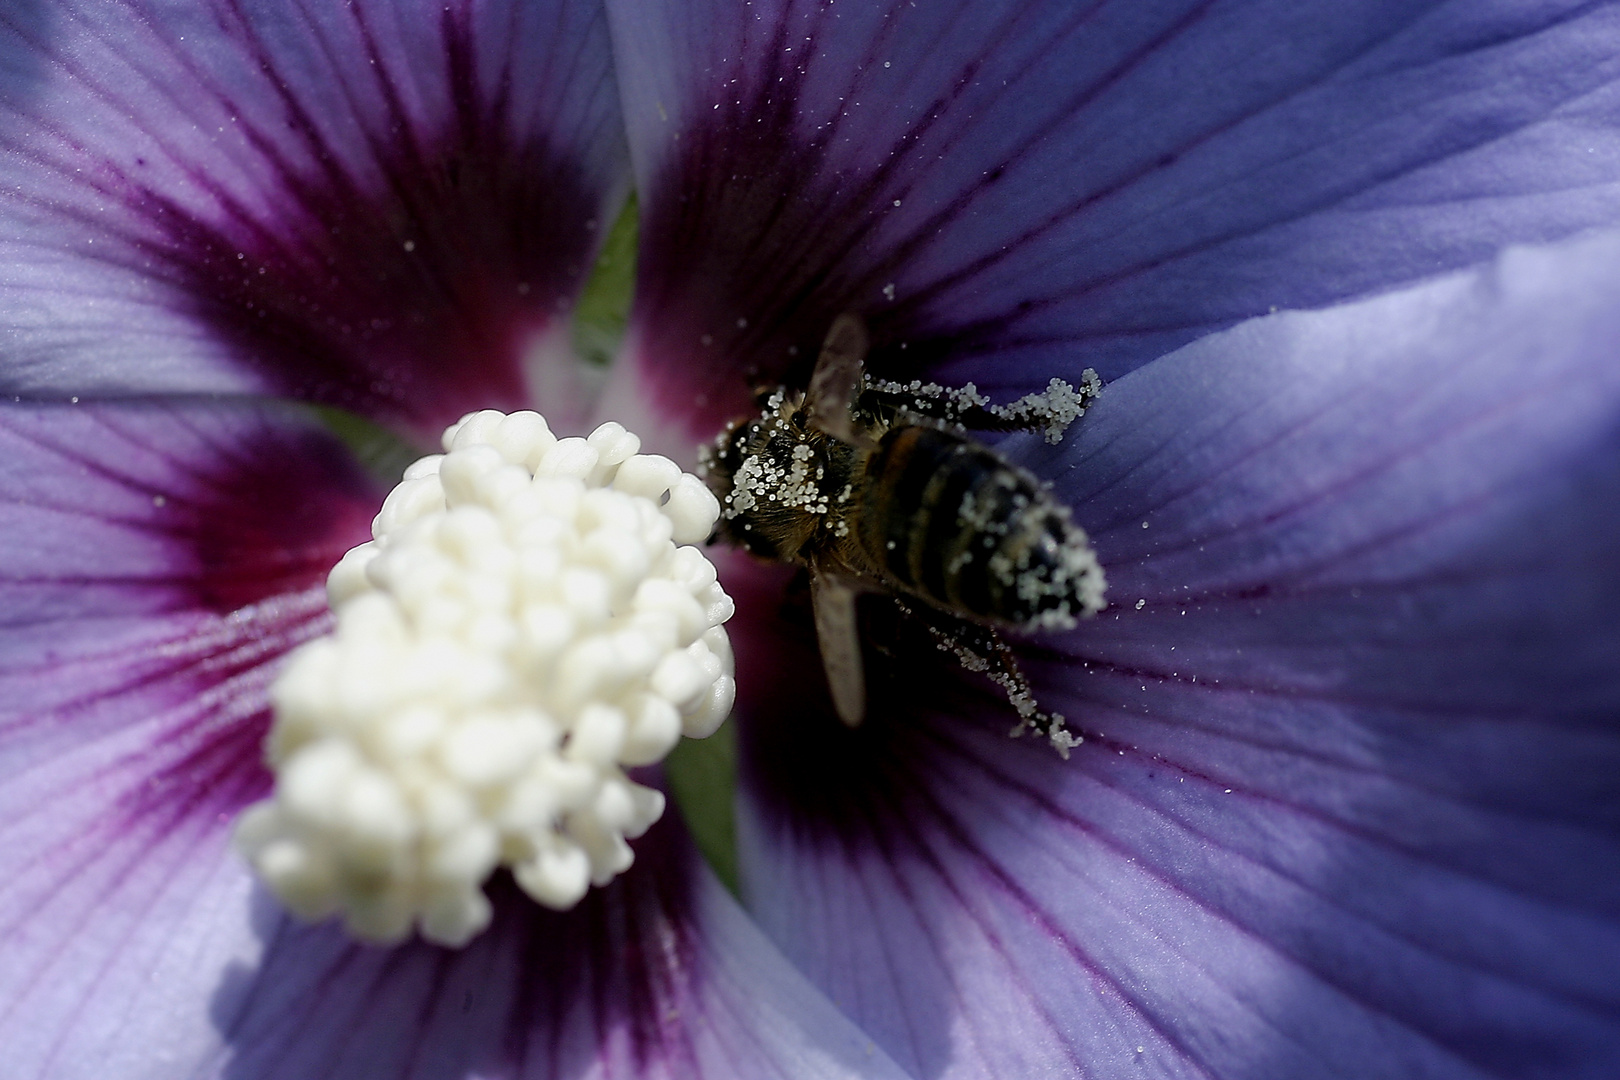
point(836, 379)
point(840, 641)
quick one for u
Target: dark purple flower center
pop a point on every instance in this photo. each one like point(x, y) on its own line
point(412, 292)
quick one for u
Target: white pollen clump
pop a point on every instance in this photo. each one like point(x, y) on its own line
point(1051, 411)
point(528, 622)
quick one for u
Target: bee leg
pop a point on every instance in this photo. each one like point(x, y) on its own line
point(1050, 411)
point(978, 648)
point(836, 632)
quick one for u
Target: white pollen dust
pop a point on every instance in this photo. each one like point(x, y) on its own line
point(529, 621)
point(1050, 411)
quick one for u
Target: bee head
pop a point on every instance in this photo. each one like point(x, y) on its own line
point(770, 473)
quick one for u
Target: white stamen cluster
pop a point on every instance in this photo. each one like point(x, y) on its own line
point(527, 623)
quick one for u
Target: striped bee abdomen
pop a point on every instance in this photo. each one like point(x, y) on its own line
point(956, 524)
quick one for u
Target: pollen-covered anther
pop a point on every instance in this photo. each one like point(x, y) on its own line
point(529, 621)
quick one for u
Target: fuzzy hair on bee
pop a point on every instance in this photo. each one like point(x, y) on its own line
point(875, 486)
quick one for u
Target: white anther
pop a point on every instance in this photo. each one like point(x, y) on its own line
point(598, 736)
point(573, 458)
point(650, 475)
point(348, 577)
point(427, 466)
point(448, 919)
point(411, 500)
point(609, 509)
point(675, 600)
point(688, 566)
point(588, 595)
point(693, 508)
point(614, 446)
point(619, 553)
point(505, 488)
point(523, 438)
point(655, 728)
point(473, 429)
point(460, 470)
point(679, 679)
point(557, 877)
point(522, 629)
point(718, 607)
point(712, 712)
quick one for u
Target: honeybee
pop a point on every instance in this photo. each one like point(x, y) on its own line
point(874, 486)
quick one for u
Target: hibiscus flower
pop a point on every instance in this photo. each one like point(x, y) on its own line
point(1347, 799)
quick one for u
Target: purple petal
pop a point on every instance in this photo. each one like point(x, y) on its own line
point(156, 552)
point(659, 975)
point(136, 946)
point(382, 206)
point(1348, 803)
point(158, 558)
point(1015, 190)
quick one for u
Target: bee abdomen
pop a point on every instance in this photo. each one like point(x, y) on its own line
point(956, 524)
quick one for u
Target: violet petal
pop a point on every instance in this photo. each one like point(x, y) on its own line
point(1017, 190)
point(380, 206)
point(1347, 803)
point(659, 975)
point(160, 557)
